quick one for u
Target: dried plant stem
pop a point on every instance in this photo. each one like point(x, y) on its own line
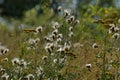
point(104, 57)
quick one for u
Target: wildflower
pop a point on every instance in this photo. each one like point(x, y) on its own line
point(5, 76)
point(60, 36)
point(60, 50)
point(16, 61)
point(23, 63)
point(56, 25)
point(31, 41)
point(52, 37)
point(115, 35)
point(66, 12)
point(58, 40)
point(2, 71)
point(70, 34)
point(88, 66)
point(68, 21)
point(56, 60)
point(44, 57)
point(49, 47)
point(3, 50)
point(31, 47)
point(36, 40)
point(72, 18)
point(48, 39)
point(38, 29)
point(116, 29)
point(29, 77)
point(112, 25)
point(111, 30)
point(55, 32)
point(5, 60)
point(95, 45)
point(59, 8)
point(70, 29)
point(77, 22)
point(66, 48)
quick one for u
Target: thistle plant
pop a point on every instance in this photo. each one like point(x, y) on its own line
point(58, 46)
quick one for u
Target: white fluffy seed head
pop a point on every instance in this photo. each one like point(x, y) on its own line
point(116, 35)
point(56, 25)
point(95, 45)
point(72, 18)
point(38, 29)
point(88, 65)
point(77, 21)
point(55, 32)
point(70, 28)
point(44, 57)
point(66, 12)
point(56, 60)
point(112, 25)
point(5, 76)
point(3, 50)
point(15, 61)
point(70, 34)
point(59, 8)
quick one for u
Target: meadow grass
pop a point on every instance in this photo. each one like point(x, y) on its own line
point(62, 49)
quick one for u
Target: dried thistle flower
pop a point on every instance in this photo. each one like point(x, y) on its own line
point(70, 29)
point(36, 40)
point(60, 49)
point(95, 45)
point(59, 8)
point(66, 12)
point(68, 21)
point(3, 50)
point(55, 32)
point(56, 60)
point(29, 77)
point(15, 61)
point(88, 66)
point(5, 76)
point(58, 40)
point(60, 36)
point(112, 25)
point(38, 29)
point(115, 35)
point(56, 25)
point(70, 34)
point(72, 18)
point(44, 57)
point(77, 21)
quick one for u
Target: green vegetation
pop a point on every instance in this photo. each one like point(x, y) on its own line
point(61, 46)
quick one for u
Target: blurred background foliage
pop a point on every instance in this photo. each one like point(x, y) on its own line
point(35, 12)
